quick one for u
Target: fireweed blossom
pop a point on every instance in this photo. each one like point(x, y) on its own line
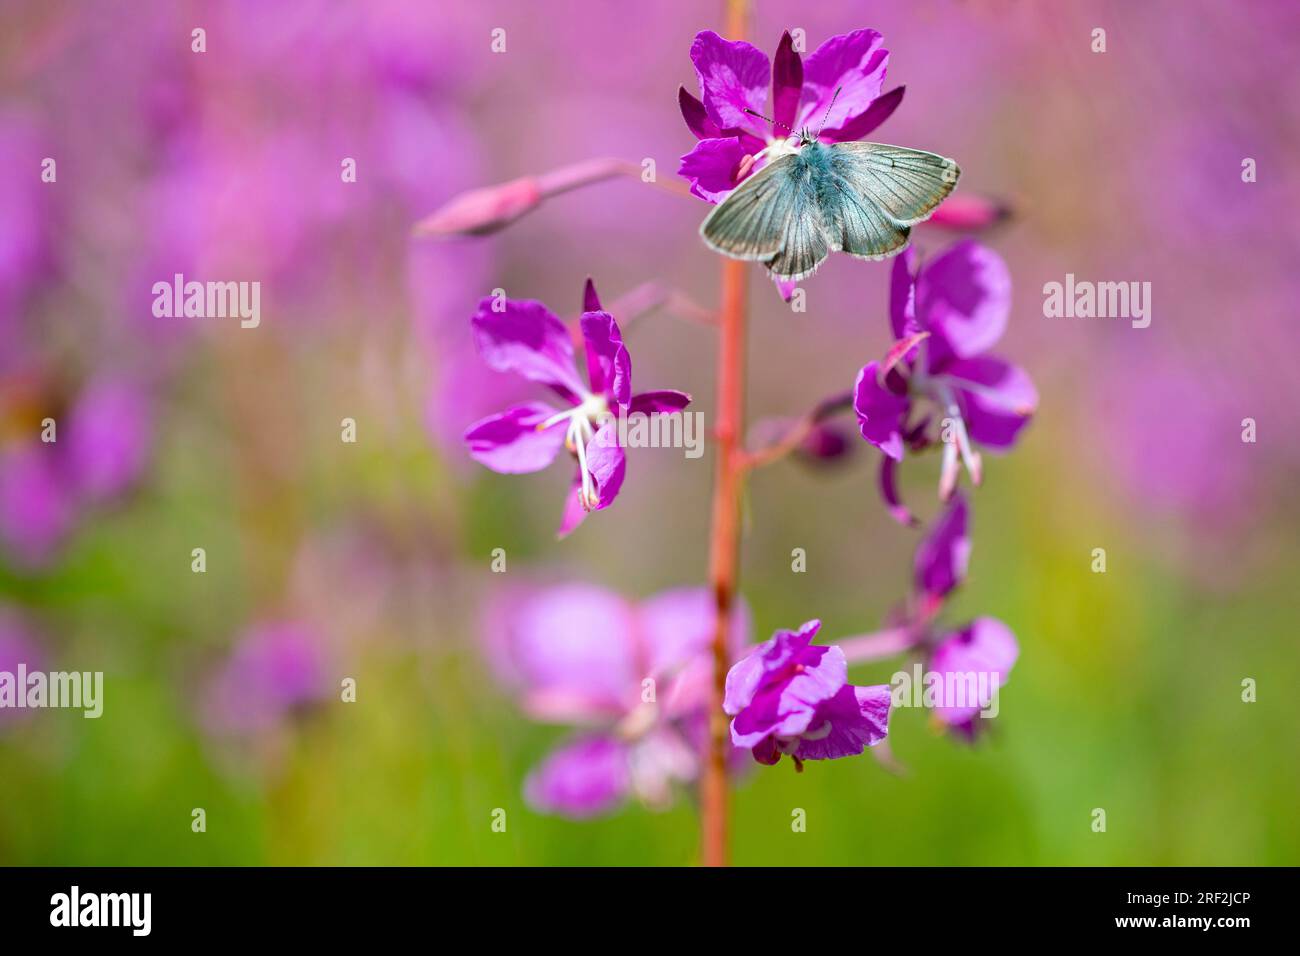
point(789, 696)
point(944, 316)
point(102, 442)
point(982, 648)
point(734, 77)
point(277, 668)
point(633, 678)
point(524, 337)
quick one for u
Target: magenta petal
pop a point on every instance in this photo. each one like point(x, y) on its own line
point(854, 63)
point(679, 624)
point(711, 167)
point(582, 779)
point(779, 686)
point(852, 720)
point(997, 398)
point(511, 442)
point(733, 77)
point(985, 647)
point(902, 294)
point(609, 367)
point(787, 84)
point(590, 300)
point(606, 463)
point(996, 382)
point(664, 400)
point(109, 438)
point(527, 339)
point(944, 553)
point(889, 491)
point(964, 298)
point(880, 412)
point(697, 120)
point(574, 512)
point(864, 124)
point(770, 657)
point(37, 505)
point(770, 714)
point(575, 643)
point(276, 667)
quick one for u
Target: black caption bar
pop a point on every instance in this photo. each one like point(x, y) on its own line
point(333, 905)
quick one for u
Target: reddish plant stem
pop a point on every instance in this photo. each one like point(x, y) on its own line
point(724, 540)
point(724, 549)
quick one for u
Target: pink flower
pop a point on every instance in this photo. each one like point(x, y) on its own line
point(634, 678)
point(945, 317)
point(980, 655)
point(276, 668)
point(789, 696)
point(101, 449)
point(734, 79)
point(526, 338)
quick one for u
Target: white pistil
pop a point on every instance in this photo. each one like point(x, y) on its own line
point(580, 417)
point(948, 471)
point(558, 417)
point(961, 439)
point(587, 496)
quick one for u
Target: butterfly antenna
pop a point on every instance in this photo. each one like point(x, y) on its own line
point(767, 119)
point(828, 109)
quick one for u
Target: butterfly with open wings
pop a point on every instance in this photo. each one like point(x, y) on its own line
point(814, 199)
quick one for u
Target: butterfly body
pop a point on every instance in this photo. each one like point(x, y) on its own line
point(858, 198)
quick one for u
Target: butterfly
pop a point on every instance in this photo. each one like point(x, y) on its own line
point(858, 198)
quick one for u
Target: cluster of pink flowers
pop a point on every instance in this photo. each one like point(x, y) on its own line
point(634, 677)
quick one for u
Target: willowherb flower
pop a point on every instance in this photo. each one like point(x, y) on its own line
point(939, 375)
point(277, 667)
point(789, 696)
point(633, 677)
point(943, 555)
point(734, 77)
point(101, 448)
point(526, 338)
point(983, 648)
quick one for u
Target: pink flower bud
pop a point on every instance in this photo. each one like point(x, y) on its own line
point(964, 211)
point(482, 211)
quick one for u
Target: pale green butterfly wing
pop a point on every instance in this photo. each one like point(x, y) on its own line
point(772, 217)
point(806, 244)
point(861, 228)
point(884, 191)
